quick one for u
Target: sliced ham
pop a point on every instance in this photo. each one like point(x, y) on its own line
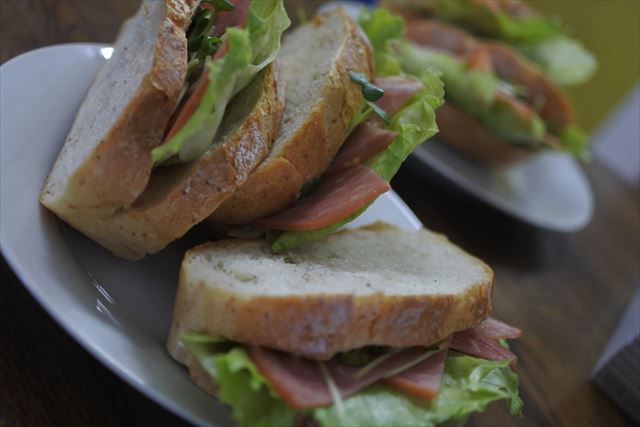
point(476, 344)
point(338, 196)
point(301, 384)
point(497, 330)
point(366, 140)
point(232, 18)
point(397, 92)
point(423, 379)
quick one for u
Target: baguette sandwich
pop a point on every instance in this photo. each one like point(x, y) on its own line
point(326, 166)
point(186, 107)
point(367, 327)
point(503, 65)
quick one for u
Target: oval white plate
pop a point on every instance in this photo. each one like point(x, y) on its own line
point(118, 310)
point(548, 191)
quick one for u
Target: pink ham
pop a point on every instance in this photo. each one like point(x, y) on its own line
point(397, 92)
point(367, 140)
point(476, 344)
point(495, 329)
point(338, 196)
point(232, 18)
point(423, 379)
point(301, 383)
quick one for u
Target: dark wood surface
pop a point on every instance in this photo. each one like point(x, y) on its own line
point(566, 291)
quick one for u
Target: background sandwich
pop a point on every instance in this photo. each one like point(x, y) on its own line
point(370, 327)
point(504, 101)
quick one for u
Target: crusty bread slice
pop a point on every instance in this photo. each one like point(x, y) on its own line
point(321, 100)
point(375, 285)
point(105, 162)
point(180, 196)
point(464, 132)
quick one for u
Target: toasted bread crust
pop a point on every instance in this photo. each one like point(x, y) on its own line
point(466, 133)
point(123, 155)
point(277, 182)
point(180, 196)
point(320, 325)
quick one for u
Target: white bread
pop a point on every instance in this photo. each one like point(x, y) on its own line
point(321, 100)
point(374, 285)
point(105, 162)
point(180, 196)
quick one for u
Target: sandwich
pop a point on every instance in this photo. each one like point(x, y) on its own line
point(327, 167)
point(186, 107)
point(293, 141)
point(503, 65)
point(368, 327)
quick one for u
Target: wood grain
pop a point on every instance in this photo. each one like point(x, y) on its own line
point(566, 291)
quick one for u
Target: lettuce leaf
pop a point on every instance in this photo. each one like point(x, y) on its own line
point(241, 386)
point(575, 140)
point(473, 90)
point(382, 27)
point(414, 124)
point(563, 59)
point(480, 18)
point(469, 384)
point(250, 50)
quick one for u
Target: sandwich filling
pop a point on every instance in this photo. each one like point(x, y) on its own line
point(229, 43)
point(372, 386)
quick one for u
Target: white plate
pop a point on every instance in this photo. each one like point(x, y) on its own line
point(118, 310)
point(548, 191)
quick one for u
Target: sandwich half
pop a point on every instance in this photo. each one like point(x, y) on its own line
point(187, 106)
point(336, 150)
point(368, 327)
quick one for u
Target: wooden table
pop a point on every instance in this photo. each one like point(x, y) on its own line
point(566, 291)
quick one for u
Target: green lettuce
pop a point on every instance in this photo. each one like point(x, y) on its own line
point(498, 24)
point(249, 51)
point(563, 59)
point(414, 124)
point(382, 27)
point(473, 90)
point(468, 385)
point(575, 140)
point(241, 386)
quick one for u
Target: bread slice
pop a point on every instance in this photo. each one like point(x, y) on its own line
point(465, 132)
point(180, 196)
point(123, 116)
point(321, 100)
point(374, 285)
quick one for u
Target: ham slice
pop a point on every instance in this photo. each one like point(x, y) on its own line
point(301, 383)
point(397, 92)
point(232, 18)
point(423, 379)
point(475, 343)
point(367, 140)
point(338, 196)
point(495, 329)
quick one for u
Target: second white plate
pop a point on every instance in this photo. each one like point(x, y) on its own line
point(548, 191)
